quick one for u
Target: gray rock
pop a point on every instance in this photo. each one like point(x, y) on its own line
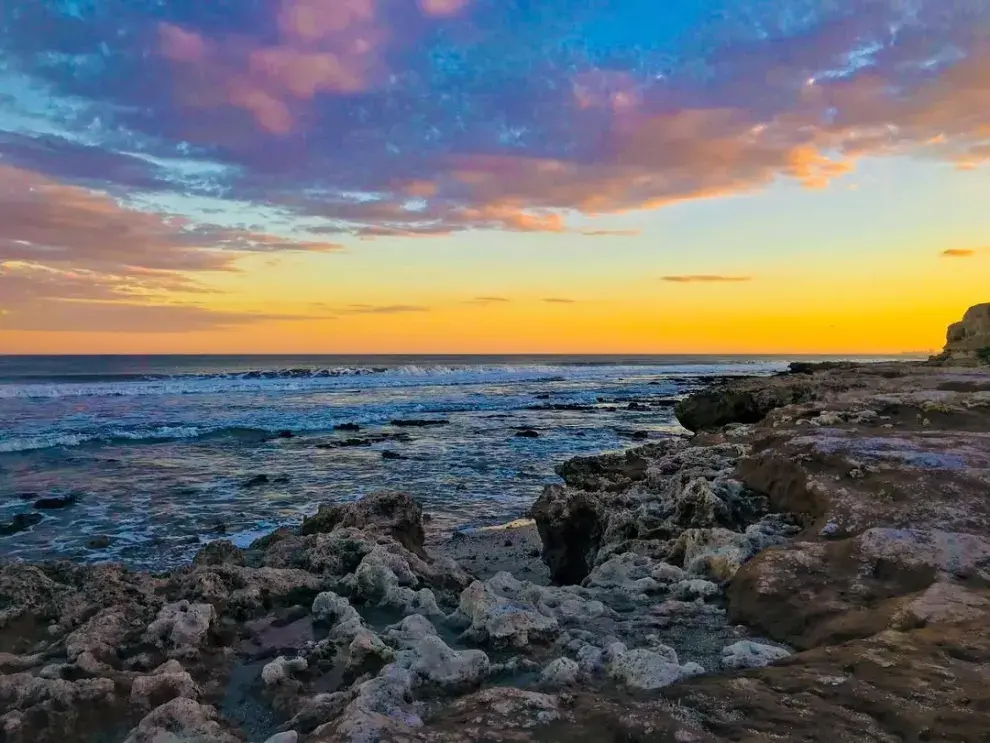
point(409, 631)
point(560, 672)
point(282, 669)
point(502, 622)
point(432, 663)
point(290, 736)
point(182, 627)
point(748, 654)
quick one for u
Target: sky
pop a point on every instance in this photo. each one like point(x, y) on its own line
point(492, 176)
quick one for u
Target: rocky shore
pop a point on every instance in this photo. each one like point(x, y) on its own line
point(812, 564)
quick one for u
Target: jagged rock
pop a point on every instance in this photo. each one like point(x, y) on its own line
point(747, 654)
point(571, 524)
point(502, 622)
point(166, 682)
point(182, 627)
point(181, 720)
point(608, 472)
point(95, 643)
point(246, 592)
point(381, 710)
point(40, 710)
point(387, 512)
point(219, 552)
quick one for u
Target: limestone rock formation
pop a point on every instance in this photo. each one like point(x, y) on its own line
point(969, 340)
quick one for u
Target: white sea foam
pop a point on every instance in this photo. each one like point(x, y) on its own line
point(348, 378)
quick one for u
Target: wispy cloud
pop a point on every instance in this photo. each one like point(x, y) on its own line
point(611, 233)
point(488, 300)
point(958, 253)
point(705, 278)
point(559, 300)
point(386, 309)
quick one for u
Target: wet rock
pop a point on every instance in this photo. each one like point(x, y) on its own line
point(388, 454)
point(255, 481)
point(347, 427)
point(20, 522)
point(286, 434)
point(219, 552)
point(100, 542)
point(527, 433)
point(56, 502)
point(748, 654)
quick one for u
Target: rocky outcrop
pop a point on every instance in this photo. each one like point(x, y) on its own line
point(968, 341)
point(743, 401)
point(392, 513)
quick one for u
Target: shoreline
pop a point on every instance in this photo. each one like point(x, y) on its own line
point(838, 512)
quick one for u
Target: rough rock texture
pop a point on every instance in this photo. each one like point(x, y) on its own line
point(969, 340)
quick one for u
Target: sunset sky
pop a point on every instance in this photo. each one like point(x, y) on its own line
point(472, 176)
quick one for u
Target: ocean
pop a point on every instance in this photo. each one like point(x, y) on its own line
point(154, 456)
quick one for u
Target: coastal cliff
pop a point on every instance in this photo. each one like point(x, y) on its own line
point(813, 564)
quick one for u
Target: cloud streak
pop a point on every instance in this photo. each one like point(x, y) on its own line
point(706, 278)
point(386, 309)
point(958, 253)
